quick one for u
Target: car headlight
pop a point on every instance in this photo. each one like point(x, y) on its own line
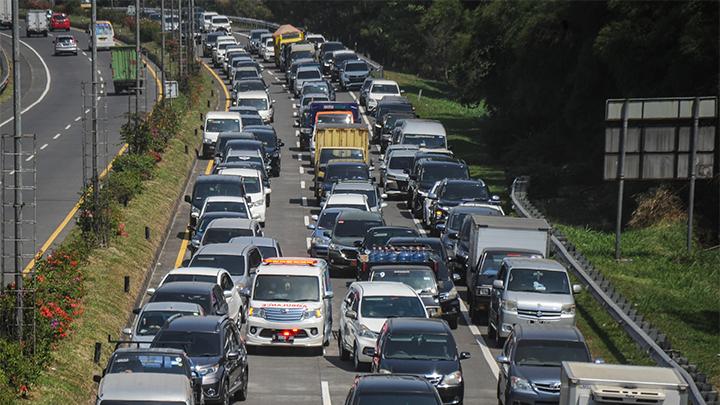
point(312, 313)
point(568, 309)
point(439, 213)
point(204, 371)
point(454, 378)
point(366, 333)
point(257, 312)
point(510, 305)
point(318, 240)
point(450, 295)
point(257, 203)
point(520, 384)
point(207, 140)
point(332, 246)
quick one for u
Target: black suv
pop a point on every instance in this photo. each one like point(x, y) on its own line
point(453, 192)
point(426, 174)
point(271, 145)
point(217, 351)
point(426, 348)
point(398, 389)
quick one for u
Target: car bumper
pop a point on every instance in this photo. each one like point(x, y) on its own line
point(66, 50)
point(366, 346)
point(319, 251)
point(451, 394)
point(342, 260)
point(450, 309)
point(531, 398)
point(395, 185)
point(509, 319)
point(260, 332)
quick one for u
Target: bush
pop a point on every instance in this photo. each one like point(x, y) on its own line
point(143, 165)
point(123, 186)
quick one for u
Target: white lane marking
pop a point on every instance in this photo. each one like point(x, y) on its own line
point(307, 243)
point(302, 184)
point(67, 126)
point(30, 158)
point(325, 393)
point(90, 59)
point(47, 84)
point(12, 172)
point(304, 201)
point(363, 114)
point(99, 72)
point(418, 224)
point(56, 136)
point(306, 220)
point(489, 358)
point(302, 170)
point(300, 157)
point(102, 79)
point(78, 118)
point(84, 54)
point(44, 146)
point(297, 144)
point(87, 111)
point(98, 98)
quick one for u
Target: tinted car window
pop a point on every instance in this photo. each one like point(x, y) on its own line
point(222, 125)
point(150, 322)
point(171, 296)
point(195, 344)
point(347, 172)
point(234, 264)
point(207, 189)
point(396, 399)
point(460, 191)
point(549, 353)
point(146, 363)
point(219, 235)
point(538, 281)
point(353, 228)
point(391, 306)
point(419, 346)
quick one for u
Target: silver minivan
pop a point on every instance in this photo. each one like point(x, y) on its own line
point(530, 291)
point(427, 134)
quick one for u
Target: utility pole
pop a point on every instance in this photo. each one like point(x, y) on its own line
point(162, 44)
point(94, 115)
point(138, 61)
point(17, 166)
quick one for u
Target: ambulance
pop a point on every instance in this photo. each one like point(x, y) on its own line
point(290, 303)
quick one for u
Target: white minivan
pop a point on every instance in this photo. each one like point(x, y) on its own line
point(215, 123)
point(260, 100)
point(254, 188)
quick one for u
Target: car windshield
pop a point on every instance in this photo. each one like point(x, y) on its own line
point(178, 296)
point(381, 398)
point(219, 235)
point(150, 322)
point(65, 40)
point(400, 162)
point(354, 206)
point(347, 172)
point(252, 184)
point(208, 189)
point(302, 55)
point(268, 251)
point(220, 20)
point(268, 138)
point(225, 206)
point(259, 103)
point(326, 154)
point(420, 280)
point(466, 191)
point(425, 141)
point(147, 363)
point(222, 125)
point(335, 118)
point(58, 17)
point(315, 88)
point(380, 238)
point(237, 158)
point(234, 264)
point(309, 74)
point(170, 278)
point(327, 220)
point(538, 281)
point(439, 172)
point(385, 89)
point(103, 29)
point(493, 260)
point(353, 228)
point(244, 74)
point(356, 67)
point(195, 344)
point(270, 287)
point(549, 353)
point(419, 346)
point(392, 307)
point(249, 85)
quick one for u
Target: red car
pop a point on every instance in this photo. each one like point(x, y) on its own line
point(59, 21)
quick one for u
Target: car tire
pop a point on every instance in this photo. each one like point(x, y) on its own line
point(498, 339)
point(356, 358)
point(241, 394)
point(453, 322)
point(225, 400)
point(344, 354)
point(491, 332)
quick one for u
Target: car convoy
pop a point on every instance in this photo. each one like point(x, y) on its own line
point(190, 340)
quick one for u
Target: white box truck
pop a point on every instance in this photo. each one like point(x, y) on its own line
point(596, 384)
point(36, 22)
point(6, 13)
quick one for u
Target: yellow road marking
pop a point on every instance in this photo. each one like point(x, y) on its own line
point(208, 169)
point(76, 207)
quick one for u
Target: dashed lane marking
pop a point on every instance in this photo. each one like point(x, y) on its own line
point(68, 126)
point(302, 184)
point(78, 118)
point(479, 339)
point(306, 220)
point(302, 170)
point(307, 243)
point(44, 146)
point(31, 157)
point(56, 136)
point(325, 388)
point(304, 201)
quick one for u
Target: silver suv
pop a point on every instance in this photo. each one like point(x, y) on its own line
point(530, 291)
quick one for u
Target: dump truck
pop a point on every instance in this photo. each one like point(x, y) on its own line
point(36, 23)
point(340, 141)
point(124, 63)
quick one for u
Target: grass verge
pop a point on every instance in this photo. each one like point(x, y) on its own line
point(69, 377)
point(605, 338)
point(679, 293)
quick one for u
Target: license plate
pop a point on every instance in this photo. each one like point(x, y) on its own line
point(282, 339)
point(535, 322)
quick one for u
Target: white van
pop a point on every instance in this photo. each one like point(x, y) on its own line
point(254, 188)
point(207, 20)
point(260, 100)
point(290, 304)
point(427, 134)
point(215, 123)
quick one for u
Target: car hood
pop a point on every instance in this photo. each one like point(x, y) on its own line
point(539, 301)
point(203, 361)
point(346, 242)
point(420, 367)
point(398, 174)
point(374, 324)
point(535, 374)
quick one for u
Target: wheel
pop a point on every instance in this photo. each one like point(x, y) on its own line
point(241, 394)
point(498, 339)
point(491, 332)
point(344, 354)
point(356, 358)
point(453, 322)
point(225, 400)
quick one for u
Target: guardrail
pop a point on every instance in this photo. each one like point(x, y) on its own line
point(655, 344)
point(5, 78)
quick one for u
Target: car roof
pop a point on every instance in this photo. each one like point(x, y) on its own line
point(217, 178)
point(241, 171)
point(229, 249)
point(392, 383)
point(150, 387)
point(292, 269)
point(235, 223)
point(383, 81)
point(172, 306)
point(221, 114)
point(253, 94)
point(535, 264)
point(428, 162)
point(383, 288)
point(354, 185)
point(224, 198)
point(259, 241)
point(417, 325)
point(464, 181)
point(345, 198)
point(187, 286)
point(244, 152)
point(353, 162)
point(414, 239)
point(468, 209)
point(402, 153)
point(359, 215)
point(565, 333)
point(208, 323)
point(199, 271)
point(421, 126)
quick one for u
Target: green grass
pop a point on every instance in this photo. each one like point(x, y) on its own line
point(69, 377)
point(678, 293)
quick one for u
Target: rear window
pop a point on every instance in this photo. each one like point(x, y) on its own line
point(224, 235)
point(385, 89)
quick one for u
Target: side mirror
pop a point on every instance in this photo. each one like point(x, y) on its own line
point(440, 227)
point(268, 191)
point(453, 236)
point(465, 355)
point(577, 288)
point(150, 291)
point(311, 227)
point(402, 91)
point(280, 144)
point(233, 356)
point(202, 127)
point(499, 284)
point(136, 311)
point(97, 378)
point(350, 314)
point(599, 360)
point(502, 359)
point(127, 332)
point(227, 293)
point(456, 277)
point(329, 295)
point(314, 217)
point(188, 199)
point(495, 198)
point(413, 177)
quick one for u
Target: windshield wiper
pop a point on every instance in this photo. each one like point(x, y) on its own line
point(540, 364)
point(305, 300)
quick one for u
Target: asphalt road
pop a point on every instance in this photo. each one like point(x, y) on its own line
point(58, 115)
point(292, 376)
